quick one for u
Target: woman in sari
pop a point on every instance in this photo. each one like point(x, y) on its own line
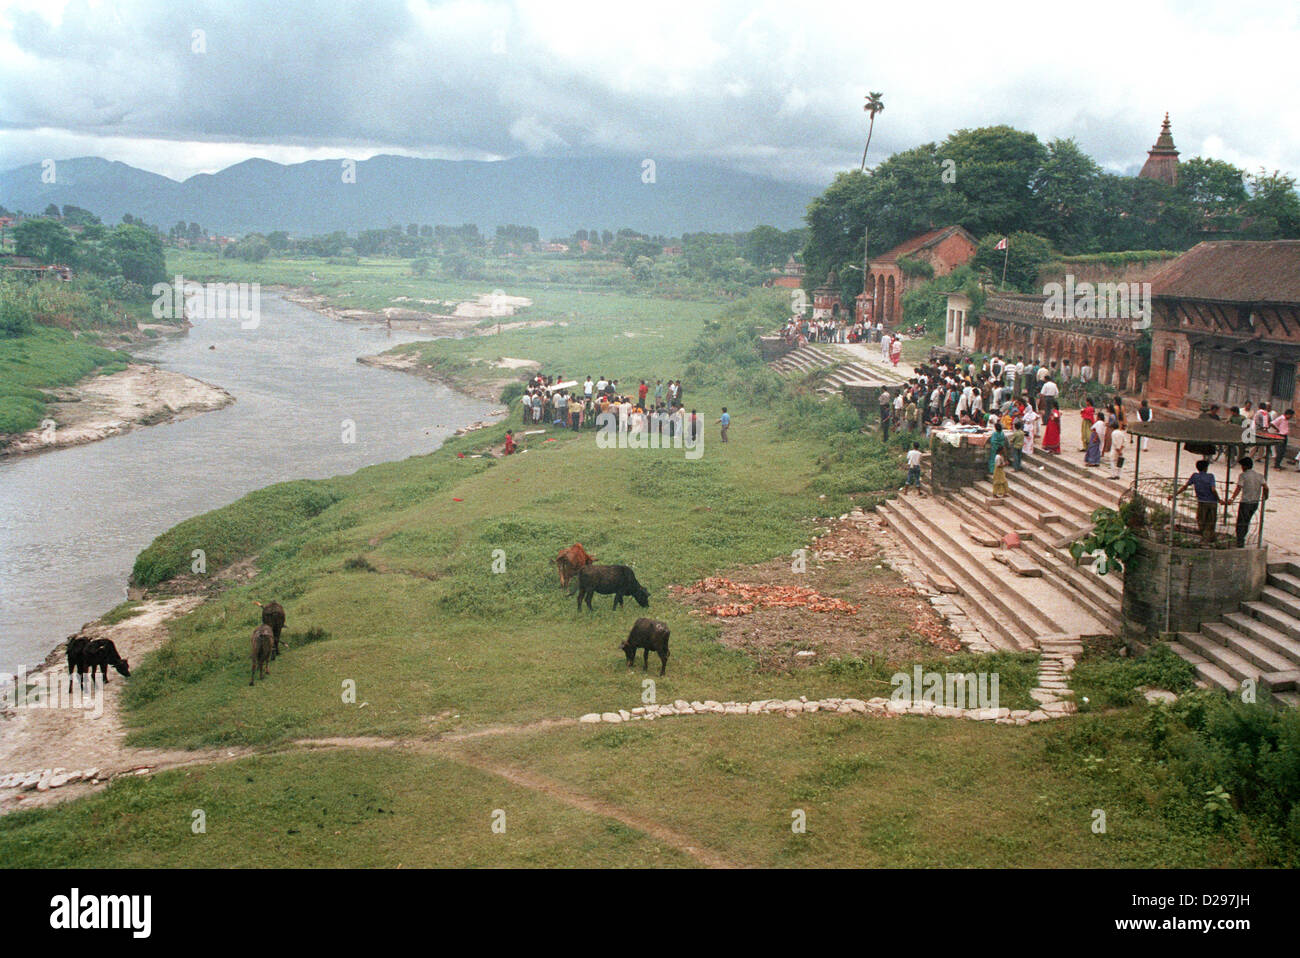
point(1087, 417)
point(1093, 456)
point(1001, 488)
point(896, 350)
point(1052, 433)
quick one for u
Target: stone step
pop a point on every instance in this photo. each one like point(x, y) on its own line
point(1022, 611)
point(1283, 601)
point(1080, 585)
point(1290, 699)
point(1280, 643)
point(1277, 619)
point(1235, 664)
point(996, 630)
point(1207, 670)
point(1285, 581)
point(1244, 643)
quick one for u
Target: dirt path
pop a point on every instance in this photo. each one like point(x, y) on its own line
point(34, 738)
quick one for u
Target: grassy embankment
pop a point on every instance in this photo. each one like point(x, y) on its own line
point(65, 332)
point(394, 564)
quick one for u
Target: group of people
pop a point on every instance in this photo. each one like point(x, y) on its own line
point(800, 330)
point(569, 404)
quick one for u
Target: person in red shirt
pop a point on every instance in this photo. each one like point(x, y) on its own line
point(641, 393)
point(510, 441)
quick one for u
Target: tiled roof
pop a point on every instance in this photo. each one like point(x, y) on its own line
point(1234, 271)
point(918, 243)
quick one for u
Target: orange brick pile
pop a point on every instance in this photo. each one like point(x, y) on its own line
point(765, 597)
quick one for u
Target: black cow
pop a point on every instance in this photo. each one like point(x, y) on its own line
point(262, 645)
point(606, 579)
point(273, 615)
point(87, 655)
point(647, 635)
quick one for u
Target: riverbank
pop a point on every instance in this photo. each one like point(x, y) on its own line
point(101, 406)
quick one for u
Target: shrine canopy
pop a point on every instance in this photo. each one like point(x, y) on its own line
point(1201, 432)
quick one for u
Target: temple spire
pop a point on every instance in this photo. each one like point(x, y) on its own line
point(1162, 159)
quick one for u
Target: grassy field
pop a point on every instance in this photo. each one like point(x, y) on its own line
point(394, 566)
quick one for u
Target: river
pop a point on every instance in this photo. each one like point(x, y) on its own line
point(72, 521)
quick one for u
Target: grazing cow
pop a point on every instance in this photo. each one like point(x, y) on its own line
point(273, 615)
point(87, 655)
point(263, 643)
point(647, 635)
point(607, 579)
point(570, 561)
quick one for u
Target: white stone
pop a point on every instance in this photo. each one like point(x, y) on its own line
point(590, 717)
point(610, 717)
point(681, 704)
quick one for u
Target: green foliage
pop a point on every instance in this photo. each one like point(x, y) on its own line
point(1112, 681)
point(914, 268)
point(1023, 258)
point(1112, 535)
point(234, 532)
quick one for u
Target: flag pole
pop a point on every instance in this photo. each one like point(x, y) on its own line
point(1006, 253)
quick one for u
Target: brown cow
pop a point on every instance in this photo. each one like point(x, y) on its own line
point(570, 561)
point(263, 642)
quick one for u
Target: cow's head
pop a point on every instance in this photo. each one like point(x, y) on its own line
point(123, 667)
point(629, 651)
point(642, 597)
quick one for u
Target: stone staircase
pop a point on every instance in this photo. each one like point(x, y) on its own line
point(812, 357)
point(1021, 599)
point(1261, 642)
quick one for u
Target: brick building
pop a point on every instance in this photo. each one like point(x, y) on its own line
point(1226, 326)
point(826, 298)
point(943, 249)
point(1013, 325)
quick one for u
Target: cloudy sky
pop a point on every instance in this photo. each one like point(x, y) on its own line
point(770, 87)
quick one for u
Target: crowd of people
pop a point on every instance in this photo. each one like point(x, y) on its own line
point(555, 401)
point(1017, 401)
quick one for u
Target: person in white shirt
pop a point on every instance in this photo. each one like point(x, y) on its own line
point(913, 470)
point(1048, 393)
point(1030, 425)
point(586, 388)
point(1118, 442)
point(885, 342)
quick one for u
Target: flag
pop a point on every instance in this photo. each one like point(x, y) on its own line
point(1002, 244)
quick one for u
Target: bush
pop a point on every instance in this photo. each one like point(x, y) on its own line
point(17, 310)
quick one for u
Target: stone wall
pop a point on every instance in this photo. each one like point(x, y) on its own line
point(1206, 584)
point(953, 468)
point(773, 347)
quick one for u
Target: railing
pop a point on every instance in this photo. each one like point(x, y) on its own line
point(1147, 504)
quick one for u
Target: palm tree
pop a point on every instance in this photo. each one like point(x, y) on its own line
point(873, 106)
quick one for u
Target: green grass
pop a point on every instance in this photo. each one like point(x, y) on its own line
point(342, 809)
point(44, 359)
point(393, 566)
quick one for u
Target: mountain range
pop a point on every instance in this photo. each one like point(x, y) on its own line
point(558, 196)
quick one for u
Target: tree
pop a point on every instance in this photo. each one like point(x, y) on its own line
point(138, 253)
point(873, 106)
point(995, 170)
point(46, 240)
point(1024, 256)
point(1065, 187)
point(52, 211)
point(1213, 185)
point(1273, 208)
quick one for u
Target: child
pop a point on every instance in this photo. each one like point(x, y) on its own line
point(1017, 444)
point(510, 441)
point(1118, 443)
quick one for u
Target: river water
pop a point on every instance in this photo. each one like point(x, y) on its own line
point(73, 520)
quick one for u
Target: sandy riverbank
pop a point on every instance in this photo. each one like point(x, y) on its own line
point(102, 406)
point(451, 318)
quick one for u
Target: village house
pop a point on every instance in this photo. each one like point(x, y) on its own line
point(1226, 326)
point(941, 250)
